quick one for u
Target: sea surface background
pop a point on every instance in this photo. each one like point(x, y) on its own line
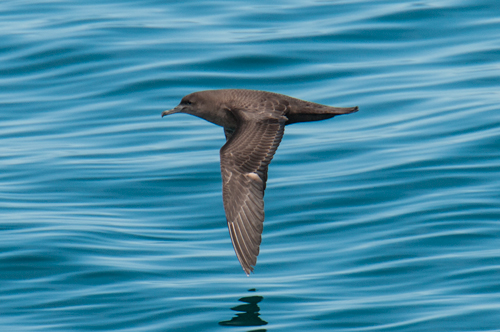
point(111, 218)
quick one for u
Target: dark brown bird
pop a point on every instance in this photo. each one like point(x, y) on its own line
point(254, 123)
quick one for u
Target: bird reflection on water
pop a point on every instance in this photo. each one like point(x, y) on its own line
point(248, 313)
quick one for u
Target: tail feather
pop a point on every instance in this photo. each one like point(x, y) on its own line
point(318, 114)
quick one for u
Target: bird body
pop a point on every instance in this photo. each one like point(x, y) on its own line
point(254, 123)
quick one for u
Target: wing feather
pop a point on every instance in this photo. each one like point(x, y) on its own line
point(244, 162)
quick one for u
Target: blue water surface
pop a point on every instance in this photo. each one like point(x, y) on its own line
point(111, 218)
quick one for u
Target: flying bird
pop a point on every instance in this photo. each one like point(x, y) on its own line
point(254, 123)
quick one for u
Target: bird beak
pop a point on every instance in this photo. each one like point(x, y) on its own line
point(172, 111)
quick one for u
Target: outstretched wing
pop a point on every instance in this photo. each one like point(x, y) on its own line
point(244, 161)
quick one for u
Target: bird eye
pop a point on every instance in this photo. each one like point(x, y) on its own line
point(186, 102)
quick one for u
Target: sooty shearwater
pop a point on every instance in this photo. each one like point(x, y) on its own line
point(254, 123)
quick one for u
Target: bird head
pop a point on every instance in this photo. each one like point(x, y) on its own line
point(194, 104)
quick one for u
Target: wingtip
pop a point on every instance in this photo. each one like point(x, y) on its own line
point(248, 270)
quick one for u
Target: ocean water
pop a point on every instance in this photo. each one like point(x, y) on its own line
point(111, 218)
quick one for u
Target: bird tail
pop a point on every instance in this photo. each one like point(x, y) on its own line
point(318, 114)
point(342, 110)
